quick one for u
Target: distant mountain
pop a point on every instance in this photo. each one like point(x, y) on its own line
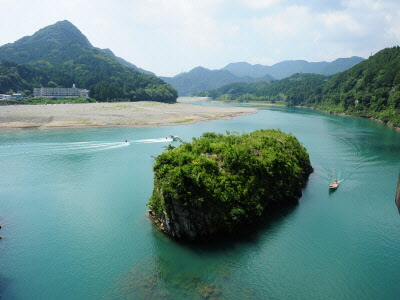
point(370, 89)
point(289, 67)
point(299, 86)
point(202, 79)
point(55, 43)
point(60, 55)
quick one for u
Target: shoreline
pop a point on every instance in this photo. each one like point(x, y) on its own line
point(347, 115)
point(316, 109)
point(111, 115)
point(250, 103)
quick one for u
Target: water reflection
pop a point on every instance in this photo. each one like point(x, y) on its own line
point(198, 271)
point(4, 283)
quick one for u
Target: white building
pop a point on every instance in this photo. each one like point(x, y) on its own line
point(5, 97)
point(60, 92)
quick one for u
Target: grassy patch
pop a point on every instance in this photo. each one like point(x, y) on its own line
point(36, 101)
point(183, 121)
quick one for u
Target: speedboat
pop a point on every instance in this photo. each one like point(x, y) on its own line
point(172, 138)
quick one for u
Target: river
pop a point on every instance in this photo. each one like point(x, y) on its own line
point(75, 226)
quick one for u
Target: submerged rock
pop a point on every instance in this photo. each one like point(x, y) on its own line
point(218, 185)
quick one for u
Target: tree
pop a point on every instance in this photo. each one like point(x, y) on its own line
point(52, 84)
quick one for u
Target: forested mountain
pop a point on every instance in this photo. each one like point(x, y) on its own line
point(202, 79)
point(370, 89)
point(55, 43)
point(60, 55)
point(291, 90)
point(289, 67)
point(126, 63)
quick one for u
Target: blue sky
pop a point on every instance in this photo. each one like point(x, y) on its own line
point(171, 36)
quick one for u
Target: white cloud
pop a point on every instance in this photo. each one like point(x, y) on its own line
point(339, 21)
point(292, 23)
point(166, 36)
point(260, 3)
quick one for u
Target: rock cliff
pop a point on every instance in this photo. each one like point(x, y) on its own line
point(397, 199)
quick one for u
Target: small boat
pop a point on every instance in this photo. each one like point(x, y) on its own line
point(172, 138)
point(334, 185)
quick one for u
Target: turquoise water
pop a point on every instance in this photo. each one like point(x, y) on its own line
point(74, 224)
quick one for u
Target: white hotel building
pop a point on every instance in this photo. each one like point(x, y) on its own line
point(60, 92)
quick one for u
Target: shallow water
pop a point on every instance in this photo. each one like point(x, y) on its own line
point(73, 212)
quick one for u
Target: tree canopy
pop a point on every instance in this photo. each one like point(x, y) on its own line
point(60, 55)
point(369, 89)
point(220, 182)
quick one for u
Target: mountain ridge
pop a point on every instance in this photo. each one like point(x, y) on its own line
point(287, 68)
point(60, 55)
point(189, 83)
point(370, 89)
point(201, 79)
point(61, 33)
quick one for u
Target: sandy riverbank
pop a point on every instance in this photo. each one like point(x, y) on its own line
point(119, 114)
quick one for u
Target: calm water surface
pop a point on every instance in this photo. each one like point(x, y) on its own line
point(74, 225)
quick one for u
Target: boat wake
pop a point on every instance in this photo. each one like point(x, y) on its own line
point(39, 149)
point(346, 156)
point(147, 141)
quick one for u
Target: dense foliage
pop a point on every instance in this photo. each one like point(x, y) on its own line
point(370, 89)
point(61, 55)
point(291, 90)
point(230, 179)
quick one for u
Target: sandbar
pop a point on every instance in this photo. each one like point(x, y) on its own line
point(116, 114)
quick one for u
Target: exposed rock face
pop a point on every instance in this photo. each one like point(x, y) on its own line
point(197, 224)
point(218, 185)
point(397, 200)
point(185, 224)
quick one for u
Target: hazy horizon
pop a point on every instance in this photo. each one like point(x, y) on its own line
point(168, 37)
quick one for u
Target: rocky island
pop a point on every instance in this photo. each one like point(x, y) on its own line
point(220, 184)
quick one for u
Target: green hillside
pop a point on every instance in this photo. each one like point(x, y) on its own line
point(291, 90)
point(370, 89)
point(202, 79)
point(219, 184)
point(287, 68)
point(60, 55)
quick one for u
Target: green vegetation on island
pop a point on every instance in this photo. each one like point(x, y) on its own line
point(219, 184)
point(60, 56)
point(371, 89)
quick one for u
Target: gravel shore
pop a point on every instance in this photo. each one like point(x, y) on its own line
point(117, 114)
